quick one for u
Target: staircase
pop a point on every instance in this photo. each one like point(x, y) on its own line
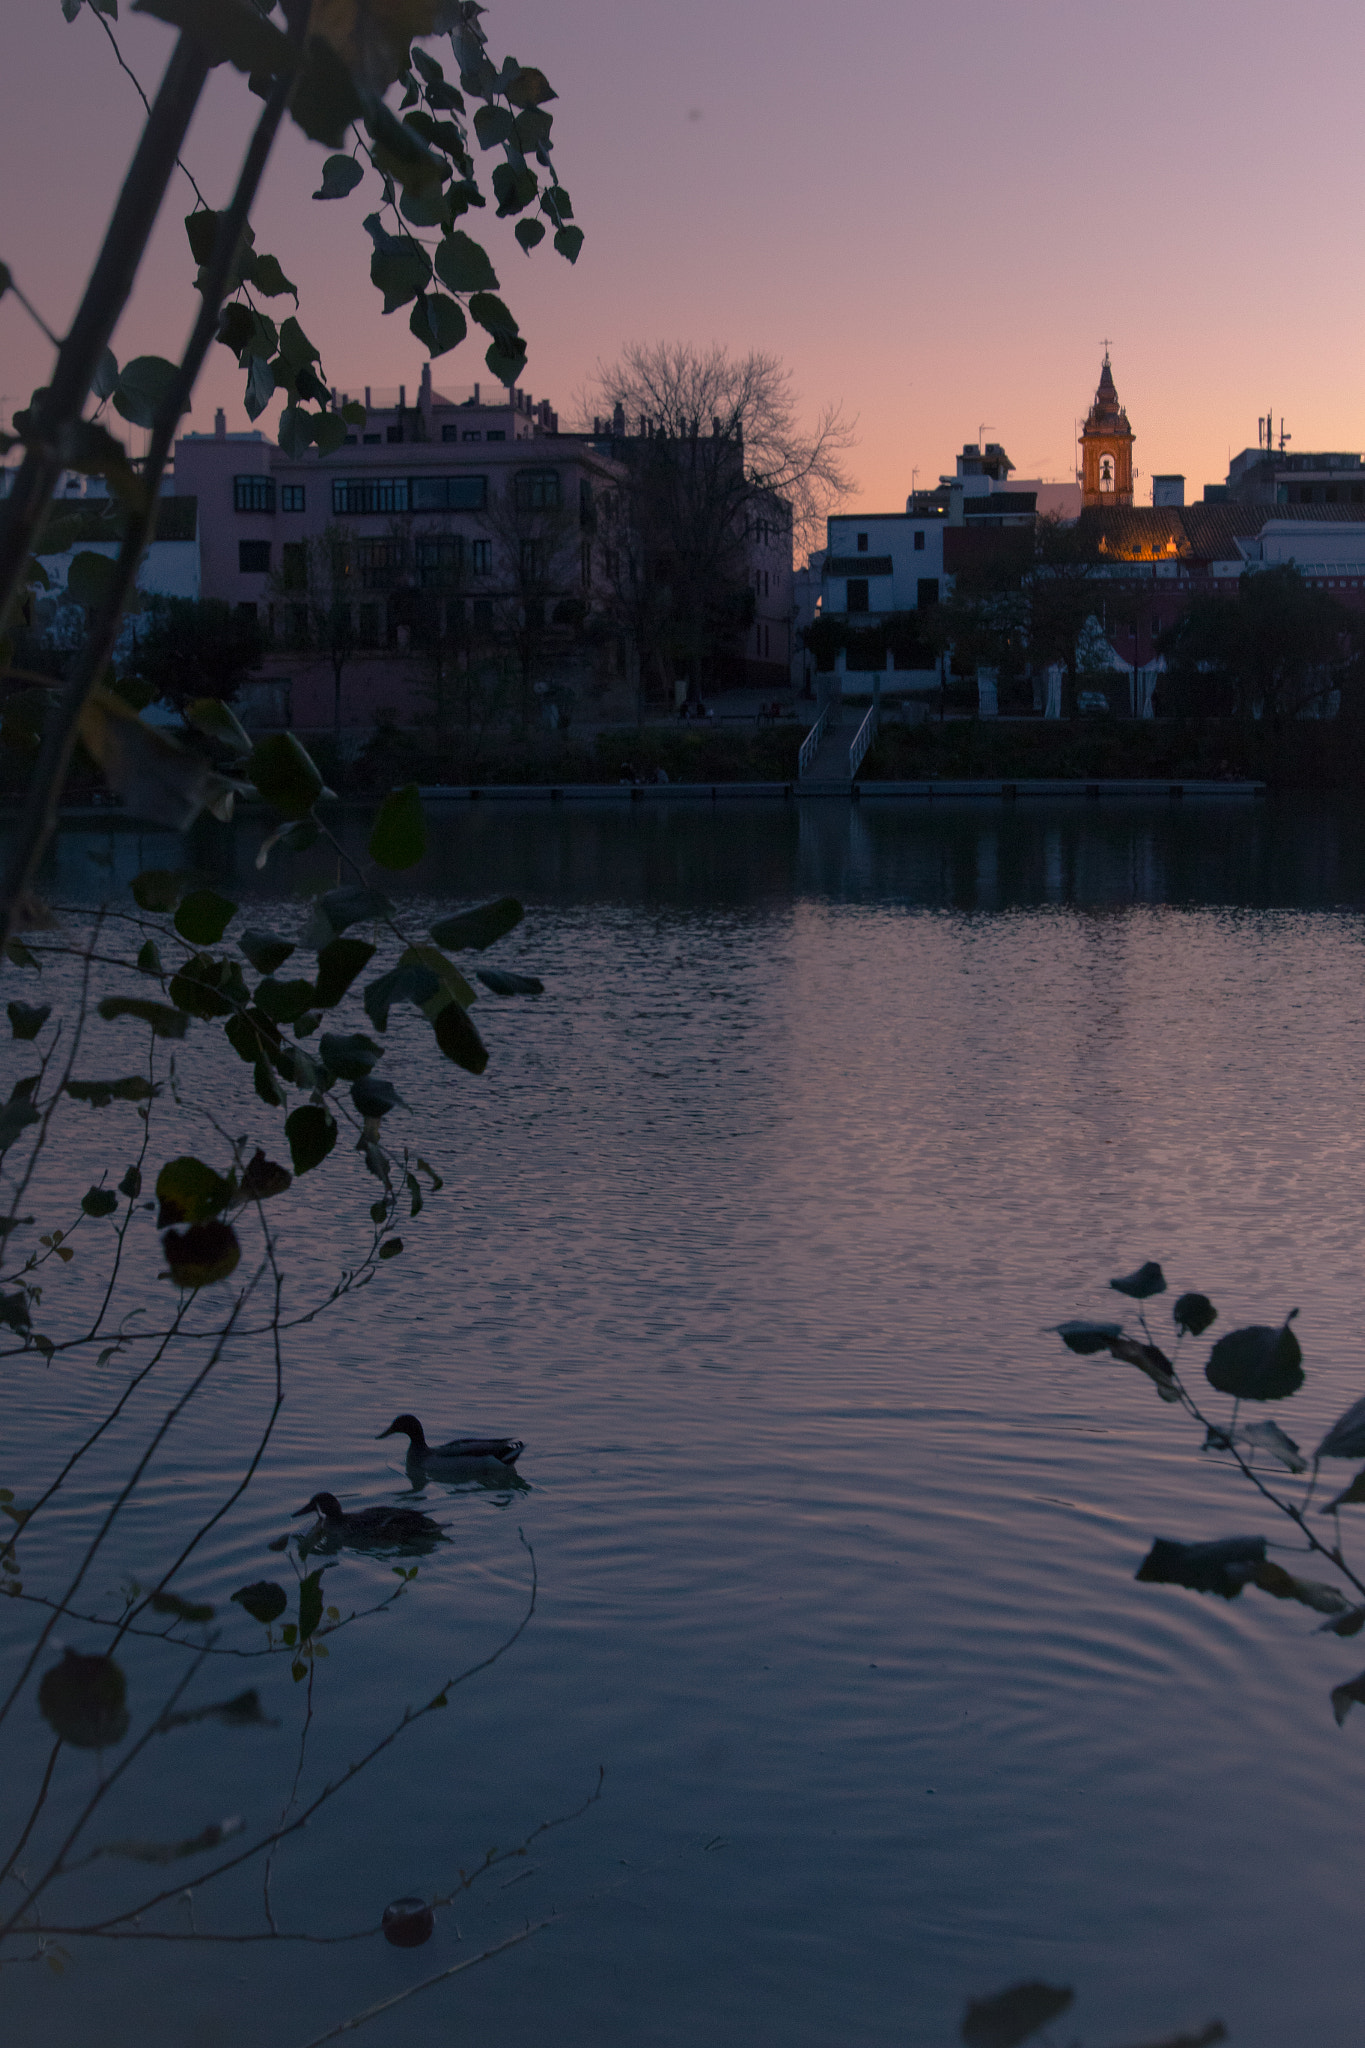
point(830, 751)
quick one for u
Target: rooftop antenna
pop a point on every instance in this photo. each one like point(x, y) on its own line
point(1283, 436)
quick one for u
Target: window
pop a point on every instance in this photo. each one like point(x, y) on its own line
point(472, 434)
point(253, 494)
point(926, 592)
point(370, 440)
point(394, 433)
point(294, 565)
point(369, 493)
point(379, 563)
point(253, 557)
point(532, 560)
point(481, 558)
point(450, 433)
point(857, 593)
point(538, 489)
point(586, 565)
point(919, 540)
point(449, 493)
point(292, 497)
point(862, 543)
point(440, 557)
point(495, 434)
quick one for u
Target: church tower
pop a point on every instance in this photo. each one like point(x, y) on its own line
point(1106, 448)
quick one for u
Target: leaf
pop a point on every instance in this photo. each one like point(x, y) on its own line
point(263, 1600)
point(14, 1311)
point(99, 1094)
point(447, 974)
point(148, 959)
point(352, 905)
point(190, 1192)
point(157, 889)
point(490, 312)
point(267, 278)
point(201, 1255)
point(295, 434)
point(219, 722)
point(310, 1604)
point(154, 776)
point(1193, 1314)
point(340, 175)
point(230, 31)
point(260, 387)
point(99, 1201)
point(458, 1037)
point(1221, 1567)
point(15, 1118)
point(106, 375)
point(1011, 2016)
point(1270, 1437)
point(211, 1837)
point(1260, 1363)
point(528, 233)
point(1344, 1697)
point(391, 1248)
point(1352, 1497)
point(568, 241)
point(1147, 1281)
point(529, 87)
point(285, 776)
point(438, 323)
point(1087, 1338)
point(1346, 1437)
point(478, 929)
point(325, 100)
point(143, 387)
point(408, 1923)
point(84, 1701)
point(204, 916)
point(400, 274)
point(339, 962)
point(312, 1132)
point(283, 1001)
point(27, 1019)
point(131, 1184)
point(375, 1098)
point(399, 835)
point(264, 950)
point(462, 264)
point(1315, 1593)
point(492, 126)
point(262, 1178)
point(184, 1610)
point(409, 982)
point(504, 984)
point(207, 986)
point(351, 1057)
point(164, 1021)
point(90, 578)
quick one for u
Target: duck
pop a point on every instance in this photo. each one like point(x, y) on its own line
point(369, 1525)
point(459, 1450)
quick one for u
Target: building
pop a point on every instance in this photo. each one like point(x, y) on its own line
point(1271, 476)
point(879, 564)
point(1106, 475)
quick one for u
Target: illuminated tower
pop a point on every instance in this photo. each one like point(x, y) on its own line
point(1106, 448)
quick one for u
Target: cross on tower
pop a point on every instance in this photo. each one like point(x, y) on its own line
point(1106, 348)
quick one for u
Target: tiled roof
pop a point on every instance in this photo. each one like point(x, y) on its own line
point(1189, 533)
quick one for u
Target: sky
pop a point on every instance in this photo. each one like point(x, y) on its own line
point(934, 214)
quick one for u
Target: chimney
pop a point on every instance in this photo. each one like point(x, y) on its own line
point(402, 396)
point(367, 398)
point(220, 425)
point(618, 420)
point(477, 399)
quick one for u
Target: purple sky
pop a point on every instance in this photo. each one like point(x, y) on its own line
point(934, 214)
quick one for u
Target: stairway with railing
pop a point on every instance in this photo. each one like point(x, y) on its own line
point(810, 745)
point(862, 740)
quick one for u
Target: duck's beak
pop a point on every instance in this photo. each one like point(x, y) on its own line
point(390, 1431)
point(308, 1509)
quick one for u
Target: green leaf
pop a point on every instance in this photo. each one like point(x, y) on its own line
point(391, 1247)
point(165, 1022)
point(528, 233)
point(264, 950)
point(210, 715)
point(462, 264)
point(312, 1132)
point(183, 1610)
point(208, 987)
point(1193, 1314)
point(201, 226)
point(285, 775)
point(283, 1001)
point(399, 835)
point(99, 1094)
point(148, 959)
point(1346, 1437)
point(349, 1057)
point(27, 1019)
point(131, 1184)
point(504, 984)
point(1222, 1567)
point(83, 1700)
point(190, 1192)
point(99, 1201)
point(375, 1098)
point(143, 387)
point(478, 929)
point(339, 962)
point(407, 983)
point(295, 434)
point(340, 175)
point(325, 100)
point(506, 360)
point(1088, 1338)
point(15, 1315)
point(340, 908)
point(201, 1255)
point(400, 274)
point(568, 241)
point(230, 31)
point(459, 1040)
point(490, 312)
point(266, 1086)
point(437, 323)
point(157, 889)
point(263, 1178)
point(204, 916)
point(89, 578)
point(529, 87)
point(310, 1604)
point(15, 1118)
point(263, 1600)
point(1261, 1363)
point(353, 413)
point(267, 277)
point(493, 126)
point(1011, 2016)
point(1140, 1286)
point(514, 187)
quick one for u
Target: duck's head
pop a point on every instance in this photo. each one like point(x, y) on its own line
point(405, 1425)
point(325, 1504)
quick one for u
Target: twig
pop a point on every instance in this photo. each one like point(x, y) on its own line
point(373, 2012)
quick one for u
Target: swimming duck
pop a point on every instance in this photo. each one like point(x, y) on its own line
point(369, 1525)
point(460, 1450)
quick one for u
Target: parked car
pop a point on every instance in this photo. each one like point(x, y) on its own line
point(1092, 703)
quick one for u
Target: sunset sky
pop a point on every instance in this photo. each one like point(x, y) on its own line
point(933, 214)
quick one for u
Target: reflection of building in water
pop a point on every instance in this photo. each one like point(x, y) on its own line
point(1106, 474)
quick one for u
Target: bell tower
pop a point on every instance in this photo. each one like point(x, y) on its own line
point(1106, 447)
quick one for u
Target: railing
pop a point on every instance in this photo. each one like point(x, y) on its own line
point(862, 740)
point(810, 745)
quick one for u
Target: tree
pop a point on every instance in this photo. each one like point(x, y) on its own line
point(710, 446)
point(535, 548)
point(197, 647)
point(316, 583)
point(1277, 650)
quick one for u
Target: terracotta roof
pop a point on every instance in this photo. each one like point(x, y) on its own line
point(1189, 533)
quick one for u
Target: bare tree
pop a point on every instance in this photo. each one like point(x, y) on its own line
point(316, 583)
point(534, 536)
point(712, 449)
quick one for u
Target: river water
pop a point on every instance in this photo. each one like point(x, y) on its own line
point(753, 1230)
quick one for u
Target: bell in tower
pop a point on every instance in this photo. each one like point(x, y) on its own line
point(1106, 447)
